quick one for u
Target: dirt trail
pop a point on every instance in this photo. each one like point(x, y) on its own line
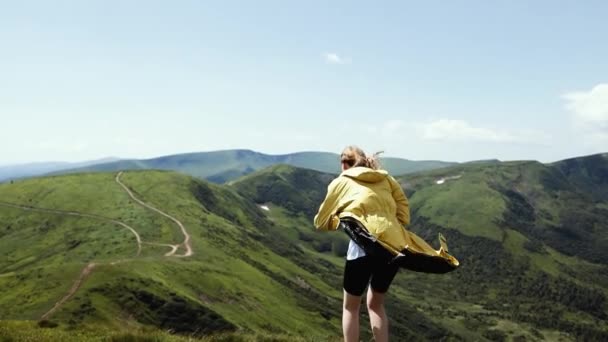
point(170, 253)
point(186, 243)
point(86, 271)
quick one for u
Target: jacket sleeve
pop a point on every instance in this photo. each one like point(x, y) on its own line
point(403, 206)
point(327, 218)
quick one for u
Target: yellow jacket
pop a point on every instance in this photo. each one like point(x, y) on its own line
point(375, 199)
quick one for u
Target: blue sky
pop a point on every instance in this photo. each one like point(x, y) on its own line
point(420, 80)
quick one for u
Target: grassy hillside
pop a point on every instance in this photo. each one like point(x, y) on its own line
point(298, 190)
point(233, 282)
point(539, 201)
point(531, 242)
point(246, 275)
point(223, 166)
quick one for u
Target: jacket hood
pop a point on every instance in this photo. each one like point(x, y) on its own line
point(365, 174)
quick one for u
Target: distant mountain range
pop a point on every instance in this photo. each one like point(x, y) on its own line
point(223, 166)
point(219, 166)
point(18, 171)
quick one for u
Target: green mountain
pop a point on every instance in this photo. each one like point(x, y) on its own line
point(294, 189)
point(589, 174)
point(223, 166)
point(231, 282)
point(531, 239)
point(79, 251)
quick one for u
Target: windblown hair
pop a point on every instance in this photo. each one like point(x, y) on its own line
point(354, 156)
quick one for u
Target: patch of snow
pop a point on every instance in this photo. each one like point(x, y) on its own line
point(264, 207)
point(443, 180)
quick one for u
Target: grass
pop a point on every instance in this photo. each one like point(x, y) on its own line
point(467, 204)
point(514, 242)
point(30, 331)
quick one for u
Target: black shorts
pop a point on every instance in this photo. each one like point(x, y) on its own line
point(365, 271)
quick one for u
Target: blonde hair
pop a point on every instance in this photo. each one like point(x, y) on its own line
point(354, 156)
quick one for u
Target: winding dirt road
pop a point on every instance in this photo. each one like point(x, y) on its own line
point(186, 243)
point(88, 269)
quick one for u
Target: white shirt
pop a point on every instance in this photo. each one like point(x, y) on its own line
point(354, 251)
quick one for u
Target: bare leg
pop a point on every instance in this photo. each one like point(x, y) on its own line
point(377, 315)
point(350, 317)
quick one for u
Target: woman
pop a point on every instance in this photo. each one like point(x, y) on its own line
point(376, 200)
point(367, 197)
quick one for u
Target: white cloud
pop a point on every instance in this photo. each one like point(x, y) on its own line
point(451, 130)
point(590, 108)
point(333, 58)
point(459, 130)
point(590, 114)
point(442, 139)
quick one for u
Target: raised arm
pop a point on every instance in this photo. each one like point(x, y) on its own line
point(327, 218)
